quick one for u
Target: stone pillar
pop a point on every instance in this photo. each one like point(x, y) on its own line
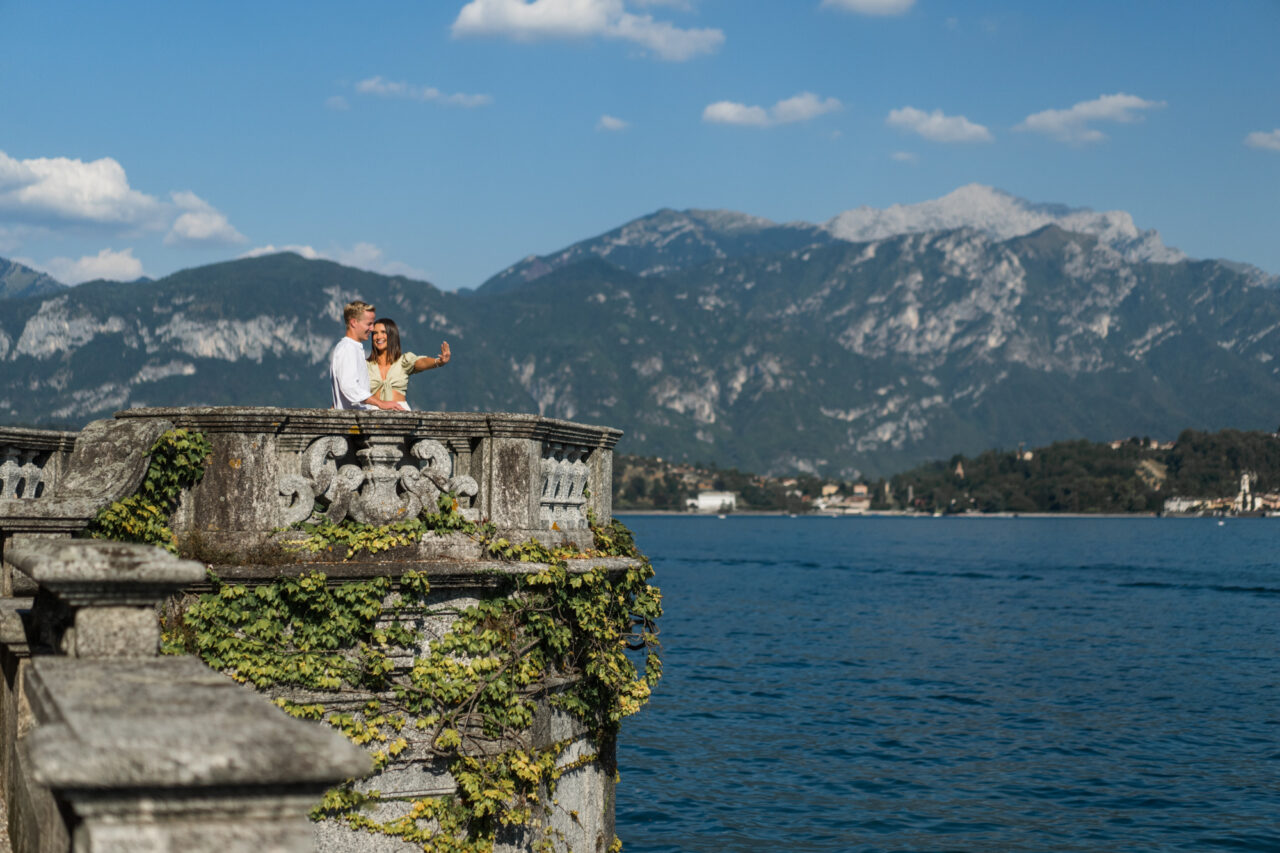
point(116, 749)
point(167, 755)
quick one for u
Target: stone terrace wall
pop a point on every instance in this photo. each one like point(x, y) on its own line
point(530, 476)
point(109, 748)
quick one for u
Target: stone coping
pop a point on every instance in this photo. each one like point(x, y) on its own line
point(444, 574)
point(59, 441)
point(172, 723)
point(311, 422)
point(99, 571)
point(47, 514)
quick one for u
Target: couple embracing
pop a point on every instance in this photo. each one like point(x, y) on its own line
point(379, 380)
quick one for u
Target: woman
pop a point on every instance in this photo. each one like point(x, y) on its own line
point(389, 369)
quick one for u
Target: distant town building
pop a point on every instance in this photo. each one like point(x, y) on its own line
point(1246, 500)
point(713, 502)
point(834, 502)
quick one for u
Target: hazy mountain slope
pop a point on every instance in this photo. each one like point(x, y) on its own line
point(18, 282)
point(873, 352)
point(250, 331)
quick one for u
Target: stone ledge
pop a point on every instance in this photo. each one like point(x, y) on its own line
point(171, 723)
point(246, 419)
point(44, 440)
point(84, 572)
point(442, 574)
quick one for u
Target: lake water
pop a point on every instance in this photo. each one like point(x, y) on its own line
point(959, 684)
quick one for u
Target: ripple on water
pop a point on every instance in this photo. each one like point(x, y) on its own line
point(1014, 685)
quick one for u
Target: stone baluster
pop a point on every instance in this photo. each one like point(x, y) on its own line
point(10, 473)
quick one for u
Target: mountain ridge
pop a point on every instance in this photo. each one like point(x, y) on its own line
point(770, 348)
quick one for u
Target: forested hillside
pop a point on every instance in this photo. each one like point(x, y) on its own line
point(1089, 477)
point(1132, 476)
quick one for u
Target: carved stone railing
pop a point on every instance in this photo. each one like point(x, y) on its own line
point(530, 476)
point(108, 462)
point(271, 468)
point(108, 747)
point(32, 460)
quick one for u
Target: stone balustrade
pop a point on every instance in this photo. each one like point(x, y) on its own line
point(32, 460)
point(78, 653)
point(109, 748)
point(530, 476)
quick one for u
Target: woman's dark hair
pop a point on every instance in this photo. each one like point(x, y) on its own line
point(393, 341)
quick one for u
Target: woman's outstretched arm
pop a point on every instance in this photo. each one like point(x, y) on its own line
point(427, 362)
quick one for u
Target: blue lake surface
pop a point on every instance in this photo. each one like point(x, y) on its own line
point(1016, 684)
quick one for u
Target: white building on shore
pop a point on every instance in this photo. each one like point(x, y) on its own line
point(713, 502)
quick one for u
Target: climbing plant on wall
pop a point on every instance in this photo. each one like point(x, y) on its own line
point(353, 655)
point(177, 463)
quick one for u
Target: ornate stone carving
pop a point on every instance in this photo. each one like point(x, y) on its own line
point(378, 491)
point(564, 481)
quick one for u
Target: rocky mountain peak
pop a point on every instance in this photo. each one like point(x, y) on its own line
point(1003, 216)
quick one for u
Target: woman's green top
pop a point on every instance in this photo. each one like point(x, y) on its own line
point(397, 377)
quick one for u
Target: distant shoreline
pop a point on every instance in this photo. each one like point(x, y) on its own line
point(922, 515)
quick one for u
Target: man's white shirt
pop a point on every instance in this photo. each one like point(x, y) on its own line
point(350, 376)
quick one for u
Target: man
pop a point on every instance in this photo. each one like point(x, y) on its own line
point(347, 370)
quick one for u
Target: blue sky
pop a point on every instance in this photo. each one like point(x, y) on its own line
point(447, 139)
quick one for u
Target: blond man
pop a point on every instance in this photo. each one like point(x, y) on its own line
point(347, 371)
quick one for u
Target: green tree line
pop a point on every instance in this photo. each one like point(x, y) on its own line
point(1068, 476)
point(1088, 477)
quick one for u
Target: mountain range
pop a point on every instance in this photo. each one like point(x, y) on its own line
point(860, 346)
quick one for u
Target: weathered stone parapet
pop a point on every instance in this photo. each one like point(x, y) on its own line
point(110, 748)
point(530, 476)
point(168, 755)
point(97, 598)
point(32, 460)
point(95, 724)
point(107, 463)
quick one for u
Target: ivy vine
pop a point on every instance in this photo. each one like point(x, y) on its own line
point(353, 652)
point(355, 537)
point(177, 463)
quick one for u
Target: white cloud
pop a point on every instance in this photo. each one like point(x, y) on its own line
point(337, 103)
point(271, 249)
point(365, 256)
point(58, 190)
point(937, 126)
point(48, 194)
point(904, 157)
point(731, 112)
point(530, 20)
point(1262, 139)
point(871, 7)
point(608, 122)
point(429, 94)
point(108, 264)
point(1073, 125)
point(801, 107)
point(200, 223)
